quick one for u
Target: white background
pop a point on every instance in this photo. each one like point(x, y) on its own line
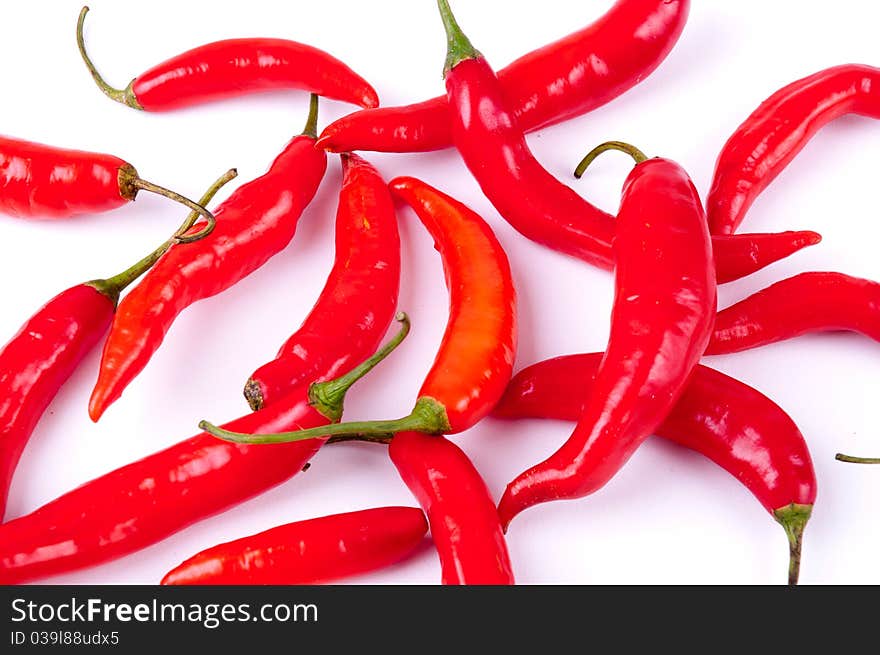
point(670, 516)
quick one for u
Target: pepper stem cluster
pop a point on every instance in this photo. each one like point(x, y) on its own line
point(326, 397)
point(112, 287)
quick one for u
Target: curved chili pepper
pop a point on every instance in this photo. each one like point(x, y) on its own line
point(809, 302)
point(564, 79)
point(734, 425)
point(316, 551)
point(48, 348)
point(464, 523)
point(661, 322)
point(149, 500)
point(235, 67)
point(475, 359)
point(39, 181)
point(254, 223)
point(538, 205)
point(772, 136)
point(358, 301)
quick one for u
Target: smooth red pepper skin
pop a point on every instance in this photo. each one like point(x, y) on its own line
point(734, 425)
point(475, 360)
point(234, 67)
point(805, 303)
point(661, 322)
point(38, 360)
point(358, 301)
point(316, 551)
point(545, 210)
point(740, 255)
point(772, 136)
point(564, 79)
point(151, 499)
point(253, 224)
point(40, 181)
point(464, 523)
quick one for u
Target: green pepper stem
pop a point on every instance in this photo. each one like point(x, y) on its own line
point(458, 46)
point(840, 457)
point(326, 397)
point(112, 287)
point(130, 183)
point(125, 96)
point(428, 417)
point(620, 146)
point(311, 128)
point(793, 519)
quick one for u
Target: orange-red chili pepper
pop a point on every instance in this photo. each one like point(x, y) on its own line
point(564, 79)
point(149, 500)
point(49, 347)
point(475, 360)
point(316, 551)
point(809, 302)
point(254, 223)
point(40, 181)
point(358, 301)
point(234, 67)
point(772, 136)
point(662, 318)
point(734, 425)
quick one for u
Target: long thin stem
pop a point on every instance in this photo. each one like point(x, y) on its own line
point(112, 287)
point(144, 185)
point(856, 460)
point(620, 146)
point(125, 96)
point(311, 128)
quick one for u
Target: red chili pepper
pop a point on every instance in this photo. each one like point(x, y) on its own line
point(39, 181)
point(234, 67)
point(475, 360)
point(570, 77)
point(537, 204)
point(661, 322)
point(777, 131)
point(809, 302)
point(358, 301)
point(464, 523)
point(255, 223)
point(308, 552)
point(149, 500)
point(734, 425)
point(48, 348)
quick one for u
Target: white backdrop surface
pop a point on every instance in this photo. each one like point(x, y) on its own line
point(670, 516)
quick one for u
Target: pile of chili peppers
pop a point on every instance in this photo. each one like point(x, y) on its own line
point(667, 252)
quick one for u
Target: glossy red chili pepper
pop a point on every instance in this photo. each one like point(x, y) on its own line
point(358, 301)
point(149, 500)
point(464, 523)
point(661, 322)
point(564, 79)
point(537, 204)
point(234, 67)
point(39, 181)
point(316, 551)
point(809, 302)
point(475, 360)
point(777, 131)
point(734, 425)
point(48, 348)
point(254, 223)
